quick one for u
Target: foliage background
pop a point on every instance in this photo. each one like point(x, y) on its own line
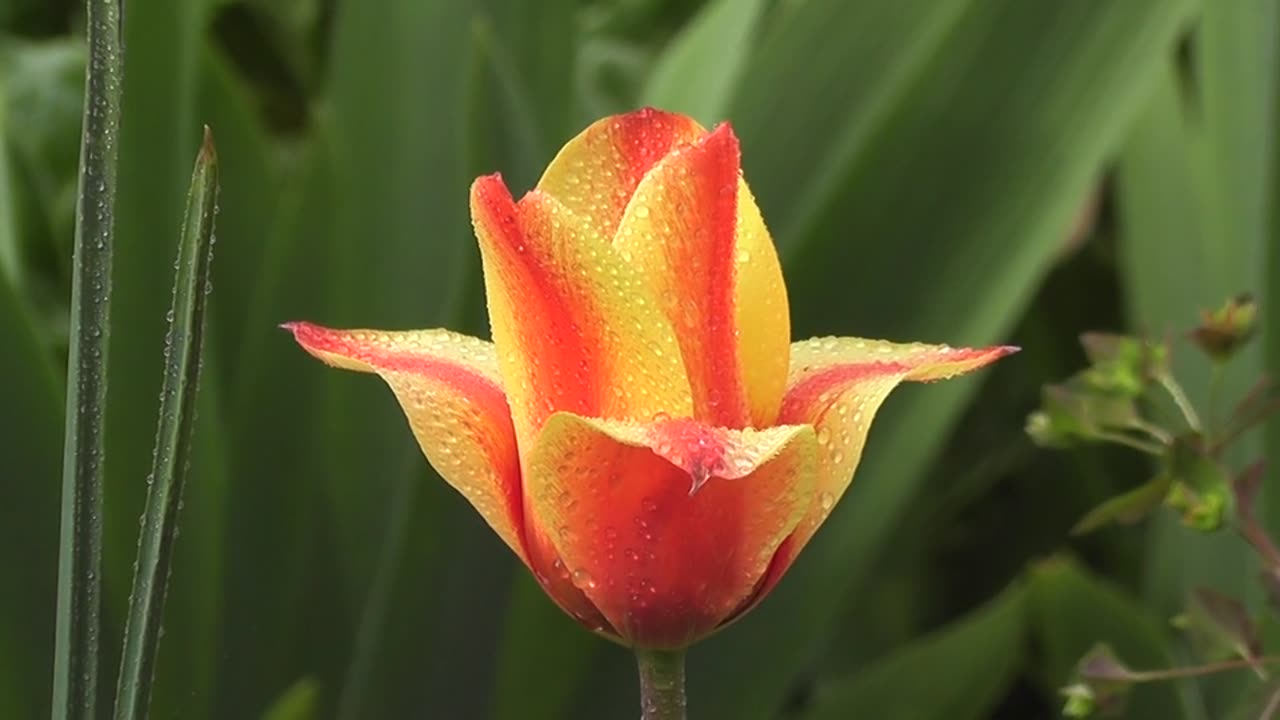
point(967, 171)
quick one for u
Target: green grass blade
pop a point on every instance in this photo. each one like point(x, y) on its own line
point(697, 71)
point(544, 658)
point(968, 665)
point(30, 438)
point(1271, 307)
point(273, 424)
point(156, 148)
point(183, 348)
point(75, 675)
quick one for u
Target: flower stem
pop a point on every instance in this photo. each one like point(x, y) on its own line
point(661, 684)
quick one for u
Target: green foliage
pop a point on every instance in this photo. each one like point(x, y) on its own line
point(967, 171)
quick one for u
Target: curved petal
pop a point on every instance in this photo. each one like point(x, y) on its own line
point(837, 385)
point(449, 388)
point(669, 526)
point(596, 172)
point(576, 327)
point(694, 231)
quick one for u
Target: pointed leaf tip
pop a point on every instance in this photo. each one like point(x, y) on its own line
point(208, 150)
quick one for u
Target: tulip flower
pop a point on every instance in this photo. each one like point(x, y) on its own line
point(641, 432)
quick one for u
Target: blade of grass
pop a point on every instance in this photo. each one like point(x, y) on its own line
point(969, 664)
point(174, 436)
point(158, 140)
point(698, 69)
point(273, 421)
point(75, 675)
point(30, 438)
point(427, 270)
point(157, 144)
point(1270, 292)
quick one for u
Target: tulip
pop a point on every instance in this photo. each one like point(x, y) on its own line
point(641, 432)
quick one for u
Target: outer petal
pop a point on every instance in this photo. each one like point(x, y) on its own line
point(837, 385)
point(576, 326)
point(595, 174)
point(668, 527)
point(695, 232)
point(449, 388)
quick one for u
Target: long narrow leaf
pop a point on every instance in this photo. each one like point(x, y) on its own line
point(75, 674)
point(183, 347)
point(697, 71)
point(969, 665)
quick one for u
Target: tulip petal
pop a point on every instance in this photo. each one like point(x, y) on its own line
point(837, 385)
point(695, 232)
point(596, 172)
point(668, 526)
point(576, 326)
point(449, 388)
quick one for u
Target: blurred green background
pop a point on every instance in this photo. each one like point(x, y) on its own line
point(963, 171)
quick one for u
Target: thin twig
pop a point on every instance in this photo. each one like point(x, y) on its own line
point(1130, 441)
point(1180, 399)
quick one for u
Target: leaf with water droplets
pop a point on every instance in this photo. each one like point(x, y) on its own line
point(184, 344)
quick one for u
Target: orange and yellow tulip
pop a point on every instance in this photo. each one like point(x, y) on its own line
point(641, 432)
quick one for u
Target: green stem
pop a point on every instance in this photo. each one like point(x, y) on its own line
point(661, 684)
point(1180, 399)
point(75, 662)
point(1178, 673)
point(1129, 441)
point(1215, 387)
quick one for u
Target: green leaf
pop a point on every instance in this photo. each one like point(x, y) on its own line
point(1071, 611)
point(1128, 508)
point(30, 443)
point(75, 670)
point(300, 702)
point(1193, 205)
point(960, 671)
point(275, 426)
point(698, 69)
point(922, 172)
point(250, 200)
point(157, 139)
point(184, 345)
point(542, 659)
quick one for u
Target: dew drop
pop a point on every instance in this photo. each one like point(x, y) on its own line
point(583, 579)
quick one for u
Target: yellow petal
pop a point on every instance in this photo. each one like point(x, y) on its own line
point(576, 327)
point(837, 385)
point(449, 388)
point(596, 172)
point(694, 231)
